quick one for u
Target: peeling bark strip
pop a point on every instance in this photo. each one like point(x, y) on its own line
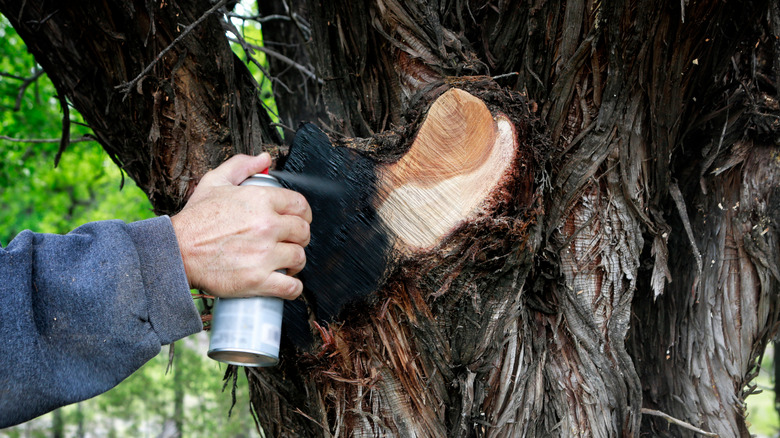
point(726, 312)
point(553, 289)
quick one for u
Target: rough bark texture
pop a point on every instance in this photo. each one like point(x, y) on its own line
point(629, 261)
point(637, 124)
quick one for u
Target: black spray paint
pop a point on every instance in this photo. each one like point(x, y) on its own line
point(348, 254)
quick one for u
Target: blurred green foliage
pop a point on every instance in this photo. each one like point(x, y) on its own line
point(253, 35)
point(35, 195)
point(86, 187)
point(762, 417)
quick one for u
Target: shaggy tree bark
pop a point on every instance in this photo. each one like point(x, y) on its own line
point(623, 267)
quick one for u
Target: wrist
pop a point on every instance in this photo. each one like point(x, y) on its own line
point(180, 229)
point(172, 312)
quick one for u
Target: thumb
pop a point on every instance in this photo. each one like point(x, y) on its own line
point(240, 167)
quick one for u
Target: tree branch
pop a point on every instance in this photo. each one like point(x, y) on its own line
point(25, 84)
point(683, 424)
point(9, 75)
point(302, 68)
point(125, 87)
point(83, 138)
point(248, 50)
point(259, 18)
point(65, 140)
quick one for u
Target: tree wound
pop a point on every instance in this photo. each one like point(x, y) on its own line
point(459, 157)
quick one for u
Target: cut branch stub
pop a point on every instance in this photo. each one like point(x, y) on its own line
point(459, 156)
point(382, 214)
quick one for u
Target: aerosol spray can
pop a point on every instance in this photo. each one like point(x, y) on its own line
point(247, 331)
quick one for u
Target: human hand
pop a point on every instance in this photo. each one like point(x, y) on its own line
point(233, 239)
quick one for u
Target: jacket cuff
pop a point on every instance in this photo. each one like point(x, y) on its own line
point(172, 312)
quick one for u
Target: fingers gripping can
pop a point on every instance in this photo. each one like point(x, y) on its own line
point(247, 331)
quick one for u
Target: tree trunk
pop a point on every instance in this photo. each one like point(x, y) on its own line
point(620, 263)
point(178, 396)
point(80, 420)
point(58, 424)
point(646, 133)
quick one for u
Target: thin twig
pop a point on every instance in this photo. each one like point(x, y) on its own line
point(65, 140)
point(125, 87)
point(683, 424)
point(260, 18)
point(171, 354)
point(81, 139)
point(303, 27)
point(506, 75)
point(9, 75)
point(44, 20)
point(302, 68)
point(533, 74)
point(230, 27)
point(249, 48)
point(21, 11)
point(299, 411)
point(677, 197)
point(283, 126)
point(266, 74)
point(25, 84)
point(249, 52)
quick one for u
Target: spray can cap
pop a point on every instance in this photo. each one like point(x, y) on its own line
point(265, 172)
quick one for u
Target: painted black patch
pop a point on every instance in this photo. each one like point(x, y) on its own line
point(348, 253)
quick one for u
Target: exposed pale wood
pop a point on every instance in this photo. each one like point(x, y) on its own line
point(460, 155)
point(452, 172)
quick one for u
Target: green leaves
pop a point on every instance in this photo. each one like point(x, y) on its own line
point(33, 194)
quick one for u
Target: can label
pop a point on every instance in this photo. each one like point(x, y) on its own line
point(247, 331)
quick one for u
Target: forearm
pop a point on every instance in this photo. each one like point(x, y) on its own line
point(85, 310)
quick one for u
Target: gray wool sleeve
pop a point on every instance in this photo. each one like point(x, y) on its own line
point(82, 311)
